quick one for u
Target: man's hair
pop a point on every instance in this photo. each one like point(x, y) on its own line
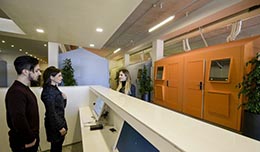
point(25, 62)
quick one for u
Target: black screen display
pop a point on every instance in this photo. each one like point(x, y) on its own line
point(131, 141)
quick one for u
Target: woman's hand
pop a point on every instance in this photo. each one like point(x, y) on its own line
point(64, 96)
point(63, 131)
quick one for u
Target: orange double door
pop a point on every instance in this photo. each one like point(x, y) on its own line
point(183, 89)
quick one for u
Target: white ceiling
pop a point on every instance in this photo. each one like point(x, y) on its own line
point(125, 23)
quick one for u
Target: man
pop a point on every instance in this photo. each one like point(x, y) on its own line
point(21, 107)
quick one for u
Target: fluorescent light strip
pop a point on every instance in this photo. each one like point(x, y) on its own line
point(117, 50)
point(162, 23)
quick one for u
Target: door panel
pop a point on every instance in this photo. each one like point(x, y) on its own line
point(173, 96)
point(193, 88)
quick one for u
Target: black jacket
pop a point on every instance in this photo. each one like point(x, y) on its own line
point(54, 115)
point(132, 89)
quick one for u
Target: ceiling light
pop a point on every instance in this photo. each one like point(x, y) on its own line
point(26, 52)
point(3, 41)
point(91, 45)
point(117, 50)
point(40, 30)
point(162, 23)
point(20, 50)
point(12, 45)
point(99, 30)
point(44, 45)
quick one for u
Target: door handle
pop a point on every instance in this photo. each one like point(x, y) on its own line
point(200, 85)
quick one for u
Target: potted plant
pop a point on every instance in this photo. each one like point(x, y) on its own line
point(250, 89)
point(68, 73)
point(145, 83)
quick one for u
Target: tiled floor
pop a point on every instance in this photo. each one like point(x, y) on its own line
point(77, 147)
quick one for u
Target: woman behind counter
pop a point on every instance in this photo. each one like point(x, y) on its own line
point(55, 102)
point(124, 84)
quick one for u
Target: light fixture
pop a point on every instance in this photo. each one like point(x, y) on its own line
point(99, 29)
point(20, 50)
point(162, 23)
point(44, 45)
point(91, 45)
point(40, 30)
point(3, 41)
point(12, 45)
point(117, 50)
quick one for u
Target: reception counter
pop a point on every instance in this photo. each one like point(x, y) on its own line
point(163, 128)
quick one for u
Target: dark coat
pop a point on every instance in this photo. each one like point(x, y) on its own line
point(54, 114)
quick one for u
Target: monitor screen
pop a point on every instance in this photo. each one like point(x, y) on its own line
point(98, 108)
point(220, 70)
point(131, 141)
point(159, 75)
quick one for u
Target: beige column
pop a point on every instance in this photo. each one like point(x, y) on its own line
point(53, 52)
point(157, 50)
point(127, 60)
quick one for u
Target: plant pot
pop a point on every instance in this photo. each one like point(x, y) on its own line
point(251, 125)
point(146, 97)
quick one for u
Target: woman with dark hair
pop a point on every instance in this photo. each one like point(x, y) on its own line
point(124, 85)
point(55, 103)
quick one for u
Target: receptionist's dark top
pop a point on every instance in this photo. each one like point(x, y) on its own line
point(132, 89)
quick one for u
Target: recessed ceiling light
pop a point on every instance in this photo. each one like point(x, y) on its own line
point(12, 45)
point(99, 30)
point(40, 30)
point(3, 41)
point(117, 50)
point(20, 50)
point(26, 52)
point(44, 45)
point(91, 45)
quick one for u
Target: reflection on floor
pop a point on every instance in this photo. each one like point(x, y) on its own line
point(77, 147)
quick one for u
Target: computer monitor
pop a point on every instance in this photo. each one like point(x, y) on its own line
point(220, 70)
point(98, 108)
point(159, 73)
point(129, 140)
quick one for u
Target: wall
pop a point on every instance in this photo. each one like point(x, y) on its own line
point(133, 70)
point(186, 86)
point(11, 73)
point(3, 71)
point(73, 103)
point(89, 68)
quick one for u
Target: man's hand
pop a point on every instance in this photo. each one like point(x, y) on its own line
point(30, 144)
point(63, 131)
